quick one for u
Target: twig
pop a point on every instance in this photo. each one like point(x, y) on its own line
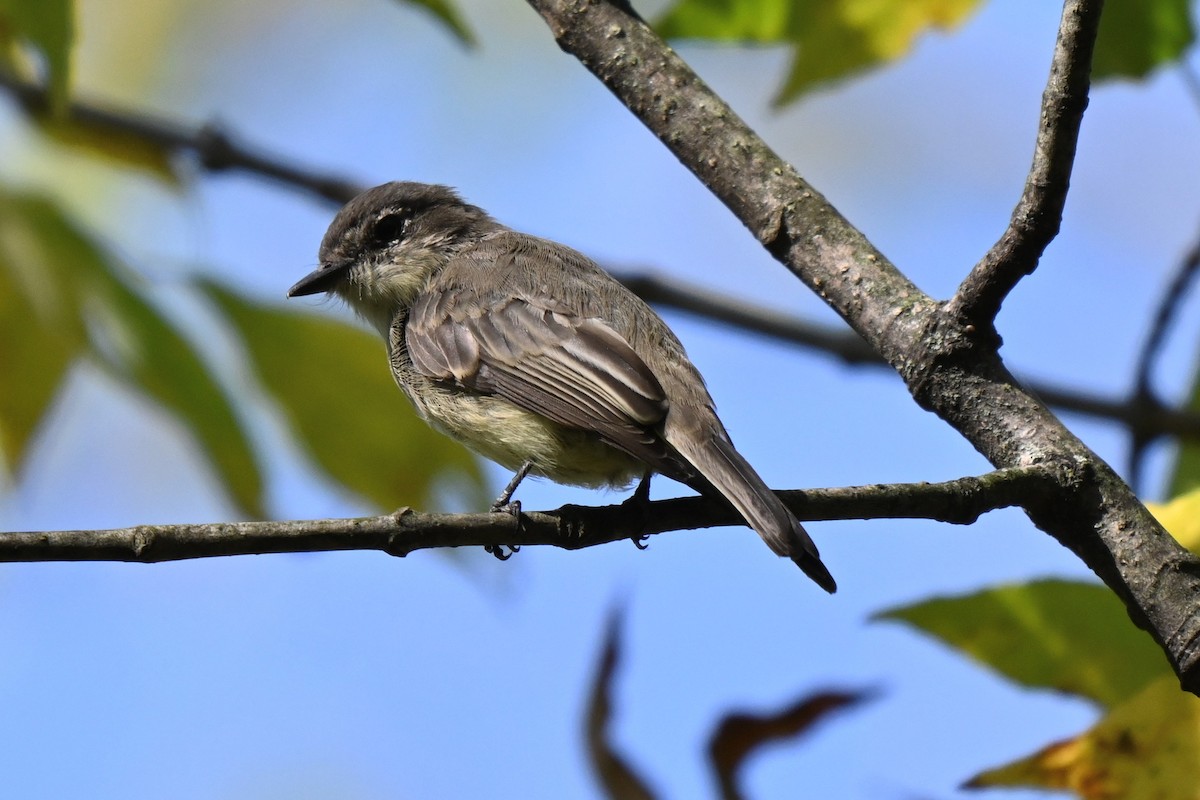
point(1144, 395)
point(1152, 419)
point(572, 527)
point(843, 344)
point(215, 149)
point(1191, 81)
point(1038, 215)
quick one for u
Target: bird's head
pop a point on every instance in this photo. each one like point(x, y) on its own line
point(386, 242)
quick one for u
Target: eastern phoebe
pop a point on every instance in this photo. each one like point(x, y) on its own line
point(530, 354)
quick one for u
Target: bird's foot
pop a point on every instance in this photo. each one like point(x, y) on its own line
point(637, 508)
point(504, 552)
point(504, 506)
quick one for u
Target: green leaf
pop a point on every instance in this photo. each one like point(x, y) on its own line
point(35, 350)
point(333, 383)
point(1138, 35)
point(832, 39)
point(449, 16)
point(49, 26)
point(81, 301)
point(1073, 637)
point(122, 148)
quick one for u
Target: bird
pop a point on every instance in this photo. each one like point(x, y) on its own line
point(533, 356)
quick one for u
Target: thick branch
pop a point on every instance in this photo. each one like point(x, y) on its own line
point(1038, 215)
point(950, 366)
point(959, 501)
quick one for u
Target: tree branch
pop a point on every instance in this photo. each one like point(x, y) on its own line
point(1151, 419)
point(959, 501)
point(215, 149)
point(949, 364)
point(1143, 385)
point(1038, 215)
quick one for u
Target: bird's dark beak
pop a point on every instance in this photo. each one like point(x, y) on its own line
point(323, 279)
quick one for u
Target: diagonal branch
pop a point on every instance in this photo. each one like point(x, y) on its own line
point(950, 365)
point(1038, 215)
point(959, 501)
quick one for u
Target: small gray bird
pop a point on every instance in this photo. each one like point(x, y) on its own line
point(530, 354)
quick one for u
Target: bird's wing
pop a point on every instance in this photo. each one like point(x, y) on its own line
point(572, 369)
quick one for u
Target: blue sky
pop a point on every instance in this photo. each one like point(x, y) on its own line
point(359, 676)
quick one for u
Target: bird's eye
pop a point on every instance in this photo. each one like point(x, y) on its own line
point(390, 228)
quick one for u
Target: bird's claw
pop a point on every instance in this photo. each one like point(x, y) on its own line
point(513, 507)
point(640, 541)
point(499, 550)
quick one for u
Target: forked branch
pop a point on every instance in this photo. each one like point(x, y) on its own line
point(949, 363)
point(1036, 219)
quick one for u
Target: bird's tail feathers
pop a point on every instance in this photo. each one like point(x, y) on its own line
point(733, 477)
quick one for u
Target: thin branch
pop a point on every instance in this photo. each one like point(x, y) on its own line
point(1038, 215)
point(1152, 419)
point(1168, 309)
point(959, 501)
point(843, 344)
point(1191, 80)
point(215, 149)
point(1144, 395)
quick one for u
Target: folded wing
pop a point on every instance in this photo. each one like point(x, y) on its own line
point(574, 370)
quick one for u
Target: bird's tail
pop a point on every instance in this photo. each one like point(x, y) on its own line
point(714, 456)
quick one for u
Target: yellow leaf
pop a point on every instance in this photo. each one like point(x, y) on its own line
point(1146, 748)
point(1181, 518)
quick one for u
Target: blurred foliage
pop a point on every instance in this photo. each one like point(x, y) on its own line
point(1185, 477)
point(833, 40)
point(1064, 635)
point(1181, 517)
point(617, 777)
point(736, 738)
point(65, 299)
point(48, 27)
point(740, 735)
point(445, 11)
point(334, 387)
point(1137, 36)
point(1077, 638)
point(121, 148)
point(1147, 748)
